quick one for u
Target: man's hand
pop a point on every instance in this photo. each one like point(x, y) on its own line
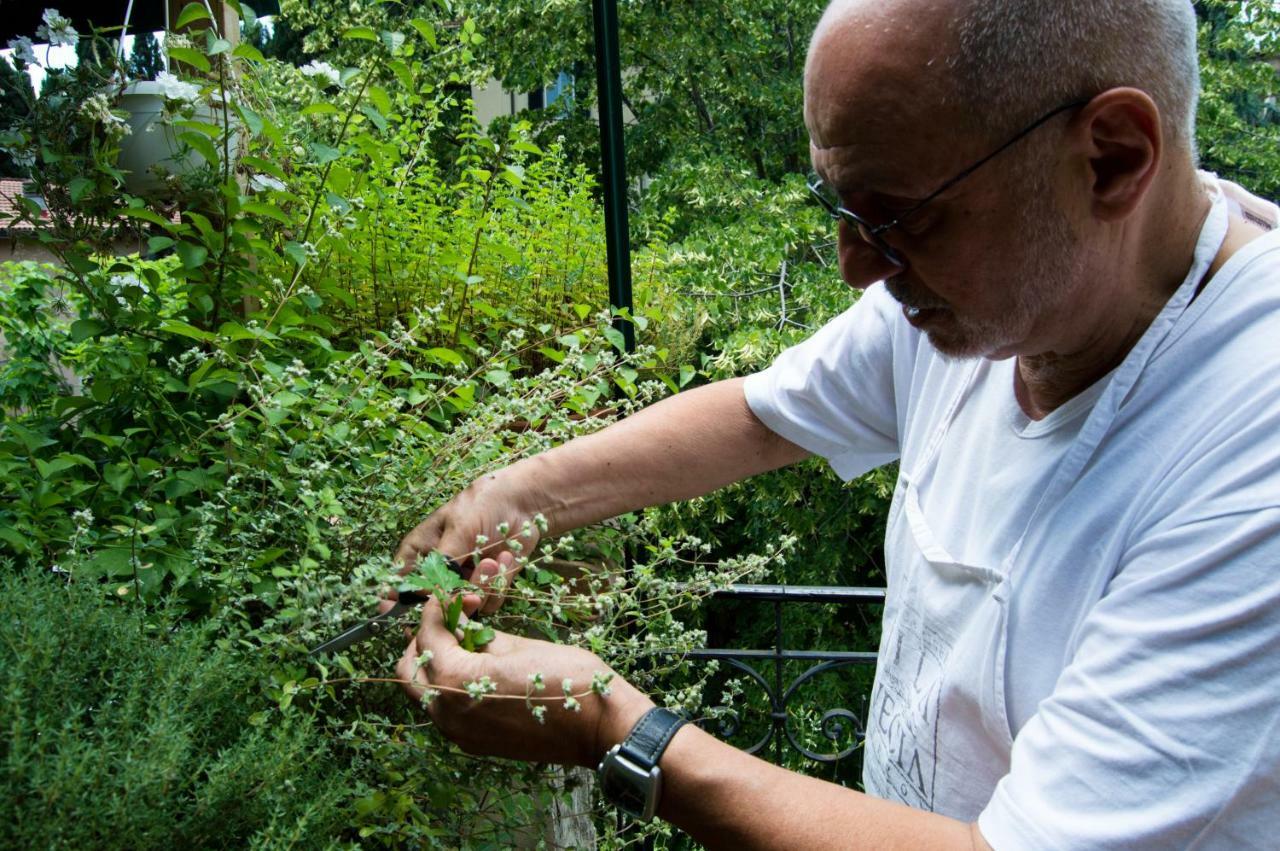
point(483, 518)
point(503, 723)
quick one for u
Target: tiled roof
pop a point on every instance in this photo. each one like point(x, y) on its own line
point(10, 191)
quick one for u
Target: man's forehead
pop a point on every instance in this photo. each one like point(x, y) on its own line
point(873, 63)
point(876, 89)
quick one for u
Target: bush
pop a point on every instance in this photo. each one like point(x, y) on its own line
point(121, 735)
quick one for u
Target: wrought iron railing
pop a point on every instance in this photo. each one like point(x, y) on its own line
point(768, 669)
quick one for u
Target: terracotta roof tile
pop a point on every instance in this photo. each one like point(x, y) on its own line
point(10, 191)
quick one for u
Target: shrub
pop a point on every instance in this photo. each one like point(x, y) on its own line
point(119, 734)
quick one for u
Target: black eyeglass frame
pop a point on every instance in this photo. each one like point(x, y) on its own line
point(872, 234)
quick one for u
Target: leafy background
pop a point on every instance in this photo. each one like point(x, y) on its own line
point(358, 303)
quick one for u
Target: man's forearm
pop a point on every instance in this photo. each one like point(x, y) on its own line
point(724, 798)
point(685, 446)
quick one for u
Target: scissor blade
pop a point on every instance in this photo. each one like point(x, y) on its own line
point(373, 626)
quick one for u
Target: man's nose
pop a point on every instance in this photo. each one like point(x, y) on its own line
point(861, 263)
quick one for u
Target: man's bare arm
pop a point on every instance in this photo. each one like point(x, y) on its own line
point(684, 446)
point(724, 798)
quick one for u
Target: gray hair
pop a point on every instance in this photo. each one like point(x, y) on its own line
point(1022, 57)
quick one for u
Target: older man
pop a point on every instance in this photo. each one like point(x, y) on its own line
point(1073, 356)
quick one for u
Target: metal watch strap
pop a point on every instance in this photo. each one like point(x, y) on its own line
point(650, 736)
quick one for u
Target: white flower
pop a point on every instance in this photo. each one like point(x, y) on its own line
point(600, 683)
point(477, 689)
point(572, 704)
point(174, 89)
point(57, 30)
point(23, 49)
point(539, 714)
point(321, 71)
point(263, 182)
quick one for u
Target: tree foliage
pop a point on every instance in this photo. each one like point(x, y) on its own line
point(145, 61)
point(1239, 119)
point(15, 96)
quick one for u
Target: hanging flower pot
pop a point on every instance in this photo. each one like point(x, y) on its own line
point(154, 151)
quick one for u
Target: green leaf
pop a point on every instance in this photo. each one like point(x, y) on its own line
point(218, 45)
point(182, 329)
point(77, 186)
point(324, 153)
point(252, 120)
point(156, 244)
point(20, 542)
point(433, 574)
point(201, 145)
point(83, 329)
point(686, 374)
point(614, 336)
point(270, 211)
point(362, 33)
point(191, 13)
point(296, 253)
point(320, 109)
point(189, 56)
point(376, 117)
point(380, 99)
point(454, 613)
point(247, 51)
point(424, 29)
point(393, 40)
point(192, 255)
point(146, 215)
point(402, 72)
point(448, 356)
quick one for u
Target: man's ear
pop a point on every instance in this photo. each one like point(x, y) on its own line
point(1122, 134)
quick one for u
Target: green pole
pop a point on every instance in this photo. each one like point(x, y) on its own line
point(613, 157)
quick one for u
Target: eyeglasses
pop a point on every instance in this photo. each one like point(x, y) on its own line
point(873, 234)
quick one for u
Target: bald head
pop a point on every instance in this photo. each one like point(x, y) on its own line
point(974, 59)
point(866, 70)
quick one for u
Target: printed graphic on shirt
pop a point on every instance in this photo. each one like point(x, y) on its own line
point(901, 761)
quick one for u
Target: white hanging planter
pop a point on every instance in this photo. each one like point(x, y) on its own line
point(152, 151)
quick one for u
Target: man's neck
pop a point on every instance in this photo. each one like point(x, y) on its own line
point(1119, 311)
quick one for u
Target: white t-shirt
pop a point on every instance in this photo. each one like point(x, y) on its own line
point(1082, 629)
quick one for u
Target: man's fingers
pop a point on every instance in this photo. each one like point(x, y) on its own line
point(504, 565)
point(412, 677)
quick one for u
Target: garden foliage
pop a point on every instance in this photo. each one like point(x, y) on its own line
point(229, 399)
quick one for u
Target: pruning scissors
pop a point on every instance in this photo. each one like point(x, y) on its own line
point(379, 624)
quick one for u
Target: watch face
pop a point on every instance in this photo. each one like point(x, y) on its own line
point(630, 787)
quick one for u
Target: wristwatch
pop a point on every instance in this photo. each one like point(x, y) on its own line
point(629, 773)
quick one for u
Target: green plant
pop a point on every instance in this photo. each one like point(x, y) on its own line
point(119, 734)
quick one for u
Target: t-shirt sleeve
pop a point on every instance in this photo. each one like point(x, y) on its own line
point(835, 393)
point(1164, 729)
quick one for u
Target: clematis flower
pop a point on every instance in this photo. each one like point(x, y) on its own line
point(176, 89)
point(57, 30)
point(321, 71)
point(23, 49)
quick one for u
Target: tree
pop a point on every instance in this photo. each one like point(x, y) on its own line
point(145, 62)
point(703, 79)
point(15, 95)
point(1239, 133)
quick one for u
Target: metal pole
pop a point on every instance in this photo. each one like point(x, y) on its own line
point(614, 161)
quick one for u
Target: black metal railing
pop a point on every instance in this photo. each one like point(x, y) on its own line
point(768, 670)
